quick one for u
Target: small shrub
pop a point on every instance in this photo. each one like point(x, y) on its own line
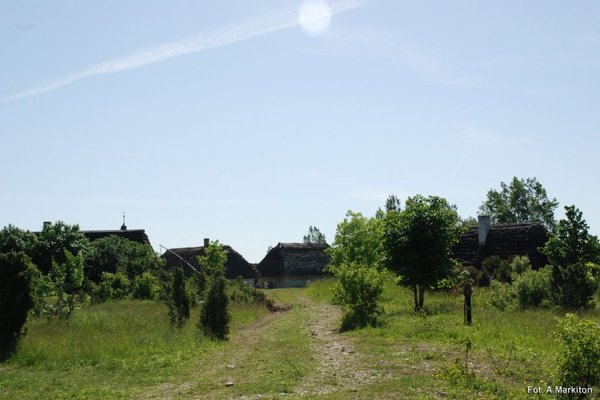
point(520, 264)
point(242, 293)
point(358, 291)
point(177, 299)
point(146, 286)
point(113, 286)
point(503, 295)
point(497, 269)
point(578, 362)
point(15, 299)
point(533, 287)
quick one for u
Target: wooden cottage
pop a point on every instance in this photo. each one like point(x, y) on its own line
point(236, 265)
point(503, 240)
point(293, 264)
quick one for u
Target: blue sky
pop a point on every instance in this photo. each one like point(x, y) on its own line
point(228, 120)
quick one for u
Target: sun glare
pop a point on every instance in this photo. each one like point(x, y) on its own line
point(315, 16)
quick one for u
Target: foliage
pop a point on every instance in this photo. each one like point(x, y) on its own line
point(314, 235)
point(241, 293)
point(358, 291)
point(520, 264)
point(578, 362)
point(503, 295)
point(497, 269)
point(214, 315)
point(112, 286)
point(146, 286)
point(533, 288)
point(419, 241)
point(16, 239)
point(573, 254)
point(114, 254)
point(55, 241)
point(15, 299)
point(177, 298)
point(468, 222)
point(358, 240)
point(65, 284)
point(523, 200)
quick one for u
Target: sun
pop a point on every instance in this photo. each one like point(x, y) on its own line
point(315, 16)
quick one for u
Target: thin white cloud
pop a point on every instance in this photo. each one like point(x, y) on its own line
point(206, 41)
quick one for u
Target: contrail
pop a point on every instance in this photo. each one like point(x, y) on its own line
point(153, 55)
point(460, 163)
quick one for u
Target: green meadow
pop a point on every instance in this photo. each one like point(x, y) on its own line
point(128, 350)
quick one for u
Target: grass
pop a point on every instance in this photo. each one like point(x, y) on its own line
point(110, 350)
point(127, 349)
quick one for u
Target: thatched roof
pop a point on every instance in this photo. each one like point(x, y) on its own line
point(293, 259)
point(235, 266)
point(505, 241)
point(135, 235)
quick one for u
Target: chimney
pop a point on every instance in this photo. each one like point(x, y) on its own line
point(483, 228)
point(206, 242)
point(47, 224)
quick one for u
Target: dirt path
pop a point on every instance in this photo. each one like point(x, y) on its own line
point(334, 352)
point(255, 363)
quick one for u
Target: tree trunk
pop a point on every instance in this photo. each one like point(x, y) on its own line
point(421, 296)
point(416, 298)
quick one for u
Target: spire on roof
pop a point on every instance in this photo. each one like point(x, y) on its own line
point(123, 227)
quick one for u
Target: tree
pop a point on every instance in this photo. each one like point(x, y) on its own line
point(418, 243)
point(523, 200)
point(358, 240)
point(16, 239)
point(15, 299)
point(177, 298)
point(574, 255)
point(314, 236)
point(54, 241)
point(214, 315)
point(114, 254)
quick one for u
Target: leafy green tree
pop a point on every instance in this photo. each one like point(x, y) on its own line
point(358, 291)
point(113, 286)
point(214, 314)
point(15, 299)
point(574, 255)
point(114, 254)
point(16, 239)
point(523, 200)
point(358, 240)
point(314, 236)
point(177, 298)
point(55, 241)
point(64, 284)
point(419, 241)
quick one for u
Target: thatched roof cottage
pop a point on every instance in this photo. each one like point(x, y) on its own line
point(236, 265)
point(294, 260)
point(503, 240)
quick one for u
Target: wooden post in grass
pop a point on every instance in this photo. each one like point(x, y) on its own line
point(468, 291)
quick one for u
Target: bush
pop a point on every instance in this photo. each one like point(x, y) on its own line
point(578, 362)
point(240, 292)
point(177, 298)
point(497, 269)
point(146, 286)
point(520, 264)
point(503, 295)
point(358, 291)
point(113, 286)
point(214, 315)
point(574, 285)
point(15, 299)
point(533, 288)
